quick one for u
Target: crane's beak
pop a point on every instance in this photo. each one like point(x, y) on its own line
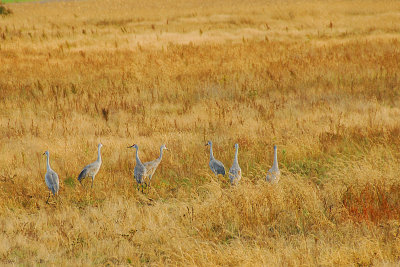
point(131, 146)
point(44, 153)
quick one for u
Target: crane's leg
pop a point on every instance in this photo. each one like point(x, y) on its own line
point(142, 188)
point(82, 184)
point(47, 201)
point(92, 181)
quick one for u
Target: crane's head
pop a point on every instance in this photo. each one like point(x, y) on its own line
point(164, 147)
point(275, 147)
point(209, 143)
point(236, 146)
point(46, 153)
point(133, 146)
point(100, 145)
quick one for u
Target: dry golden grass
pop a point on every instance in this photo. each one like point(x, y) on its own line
point(319, 79)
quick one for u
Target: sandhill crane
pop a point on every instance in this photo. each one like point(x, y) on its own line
point(274, 174)
point(151, 166)
point(215, 165)
point(235, 173)
point(140, 171)
point(92, 169)
point(51, 178)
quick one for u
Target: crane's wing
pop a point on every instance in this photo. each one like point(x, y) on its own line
point(47, 179)
point(83, 173)
point(151, 167)
point(217, 167)
point(86, 170)
point(269, 175)
point(273, 175)
point(52, 181)
point(235, 172)
point(139, 173)
point(57, 185)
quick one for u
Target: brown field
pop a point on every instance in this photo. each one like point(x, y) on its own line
point(321, 79)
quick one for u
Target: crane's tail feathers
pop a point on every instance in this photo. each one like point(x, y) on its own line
point(223, 173)
point(82, 175)
point(53, 190)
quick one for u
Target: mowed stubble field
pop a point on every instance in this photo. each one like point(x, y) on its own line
point(318, 79)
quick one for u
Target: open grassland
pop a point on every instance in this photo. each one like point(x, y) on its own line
point(15, 1)
point(318, 78)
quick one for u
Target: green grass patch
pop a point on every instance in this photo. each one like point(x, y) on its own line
point(308, 167)
point(70, 182)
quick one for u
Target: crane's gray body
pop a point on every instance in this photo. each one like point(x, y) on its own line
point(216, 166)
point(51, 178)
point(151, 166)
point(52, 181)
point(91, 169)
point(274, 173)
point(140, 171)
point(235, 172)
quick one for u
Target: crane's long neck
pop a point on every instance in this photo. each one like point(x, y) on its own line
point(137, 156)
point(211, 153)
point(161, 152)
point(236, 155)
point(275, 165)
point(48, 163)
point(98, 154)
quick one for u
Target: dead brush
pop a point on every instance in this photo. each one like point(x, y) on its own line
point(372, 202)
point(5, 11)
point(327, 95)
